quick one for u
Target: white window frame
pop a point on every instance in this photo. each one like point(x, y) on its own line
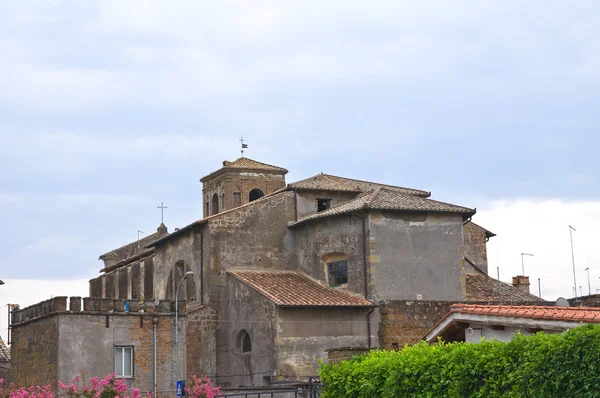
point(122, 348)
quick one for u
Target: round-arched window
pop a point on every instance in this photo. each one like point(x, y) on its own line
point(215, 204)
point(255, 194)
point(244, 342)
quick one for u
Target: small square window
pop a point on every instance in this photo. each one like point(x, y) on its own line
point(124, 361)
point(337, 273)
point(323, 204)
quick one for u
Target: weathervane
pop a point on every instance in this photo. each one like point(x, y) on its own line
point(244, 146)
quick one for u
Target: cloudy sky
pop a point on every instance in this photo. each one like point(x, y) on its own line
point(108, 108)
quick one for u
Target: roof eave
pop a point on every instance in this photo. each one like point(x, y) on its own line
point(240, 169)
point(465, 215)
point(175, 233)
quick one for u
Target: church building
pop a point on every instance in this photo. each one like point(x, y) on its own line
point(276, 275)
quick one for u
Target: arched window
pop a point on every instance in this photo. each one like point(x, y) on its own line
point(244, 343)
point(215, 204)
point(255, 194)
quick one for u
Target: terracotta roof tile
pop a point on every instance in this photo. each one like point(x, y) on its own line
point(323, 182)
point(576, 314)
point(133, 248)
point(289, 288)
point(328, 182)
point(386, 199)
point(245, 164)
point(482, 288)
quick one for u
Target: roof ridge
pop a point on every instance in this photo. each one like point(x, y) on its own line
point(372, 197)
point(381, 184)
point(255, 161)
point(128, 244)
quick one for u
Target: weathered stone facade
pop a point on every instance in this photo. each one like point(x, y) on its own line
point(475, 238)
point(406, 322)
point(364, 240)
point(53, 342)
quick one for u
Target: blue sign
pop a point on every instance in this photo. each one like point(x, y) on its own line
point(180, 387)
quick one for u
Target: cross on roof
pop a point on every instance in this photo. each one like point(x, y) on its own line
point(162, 208)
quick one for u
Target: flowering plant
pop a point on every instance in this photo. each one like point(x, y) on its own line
point(202, 387)
point(30, 392)
point(109, 387)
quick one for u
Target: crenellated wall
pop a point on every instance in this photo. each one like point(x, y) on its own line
point(61, 337)
point(92, 306)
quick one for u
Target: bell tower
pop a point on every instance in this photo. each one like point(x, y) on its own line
point(239, 182)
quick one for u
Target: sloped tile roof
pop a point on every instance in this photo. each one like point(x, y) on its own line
point(4, 352)
point(290, 288)
point(323, 182)
point(133, 248)
point(365, 186)
point(482, 288)
point(386, 199)
point(328, 182)
point(245, 164)
point(574, 314)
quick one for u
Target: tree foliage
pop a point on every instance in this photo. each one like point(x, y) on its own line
point(544, 365)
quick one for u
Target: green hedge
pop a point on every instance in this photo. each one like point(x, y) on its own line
point(545, 365)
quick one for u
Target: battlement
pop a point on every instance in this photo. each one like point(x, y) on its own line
point(94, 306)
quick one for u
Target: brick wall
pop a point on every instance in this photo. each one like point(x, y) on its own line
point(52, 342)
point(406, 322)
point(34, 351)
point(201, 341)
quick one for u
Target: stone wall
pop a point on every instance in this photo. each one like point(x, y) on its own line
point(307, 200)
point(254, 314)
point(416, 256)
point(34, 353)
point(337, 355)
point(201, 341)
point(226, 185)
point(127, 282)
point(342, 235)
point(304, 335)
point(54, 341)
point(407, 322)
point(475, 240)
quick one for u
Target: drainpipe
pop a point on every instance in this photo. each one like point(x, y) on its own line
point(201, 268)
point(365, 279)
point(295, 204)
point(154, 322)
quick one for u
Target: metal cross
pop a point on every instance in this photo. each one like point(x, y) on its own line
point(162, 208)
point(139, 232)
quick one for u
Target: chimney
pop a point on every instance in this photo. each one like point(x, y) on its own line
point(521, 283)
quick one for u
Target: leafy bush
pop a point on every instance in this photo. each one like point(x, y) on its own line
point(544, 365)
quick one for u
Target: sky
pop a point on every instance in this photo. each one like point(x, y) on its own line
point(108, 108)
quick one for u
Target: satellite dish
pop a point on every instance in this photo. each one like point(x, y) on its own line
point(562, 302)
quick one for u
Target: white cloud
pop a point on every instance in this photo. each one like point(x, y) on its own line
point(541, 227)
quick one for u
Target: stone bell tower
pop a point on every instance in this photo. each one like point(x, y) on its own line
point(239, 182)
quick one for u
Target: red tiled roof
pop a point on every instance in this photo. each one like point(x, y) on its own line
point(245, 164)
point(575, 314)
point(387, 199)
point(289, 288)
point(482, 288)
point(328, 182)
